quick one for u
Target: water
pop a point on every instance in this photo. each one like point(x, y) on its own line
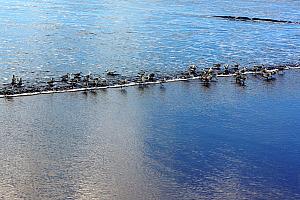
point(183, 141)
point(47, 38)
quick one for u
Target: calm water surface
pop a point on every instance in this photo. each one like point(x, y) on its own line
point(183, 141)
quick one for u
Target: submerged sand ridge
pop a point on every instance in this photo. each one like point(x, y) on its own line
point(254, 19)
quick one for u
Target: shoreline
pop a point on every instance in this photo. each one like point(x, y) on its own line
point(131, 84)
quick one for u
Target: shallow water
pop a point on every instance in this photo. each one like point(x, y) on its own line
point(47, 38)
point(182, 141)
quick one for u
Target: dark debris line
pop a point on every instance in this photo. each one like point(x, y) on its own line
point(78, 82)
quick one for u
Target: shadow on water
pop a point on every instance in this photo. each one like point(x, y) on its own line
point(85, 93)
point(162, 89)
point(272, 82)
point(123, 91)
point(94, 92)
point(142, 88)
point(9, 99)
point(206, 86)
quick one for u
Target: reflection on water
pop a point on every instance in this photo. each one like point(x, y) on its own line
point(89, 148)
point(180, 141)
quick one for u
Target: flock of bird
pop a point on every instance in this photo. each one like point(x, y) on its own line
point(78, 81)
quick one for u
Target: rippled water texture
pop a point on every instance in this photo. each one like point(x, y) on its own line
point(181, 141)
point(53, 37)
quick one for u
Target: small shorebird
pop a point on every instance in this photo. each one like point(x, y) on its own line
point(240, 78)
point(226, 70)
point(111, 73)
point(143, 79)
point(51, 82)
point(192, 70)
point(65, 77)
point(268, 74)
point(20, 82)
point(13, 80)
point(236, 67)
point(77, 75)
point(217, 66)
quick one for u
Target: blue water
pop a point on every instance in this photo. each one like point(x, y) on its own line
point(53, 37)
point(180, 141)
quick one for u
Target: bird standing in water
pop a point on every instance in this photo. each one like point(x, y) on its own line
point(192, 70)
point(51, 82)
point(20, 82)
point(13, 80)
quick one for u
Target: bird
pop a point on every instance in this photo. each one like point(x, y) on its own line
point(51, 82)
point(192, 70)
point(13, 80)
point(151, 77)
point(217, 66)
point(161, 81)
point(111, 73)
point(65, 77)
point(20, 82)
